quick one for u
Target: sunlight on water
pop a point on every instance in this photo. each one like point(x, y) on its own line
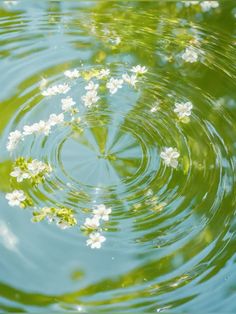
point(117, 156)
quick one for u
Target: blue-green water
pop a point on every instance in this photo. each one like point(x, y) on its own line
point(169, 227)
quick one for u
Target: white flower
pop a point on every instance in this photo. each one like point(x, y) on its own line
point(67, 103)
point(183, 109)
point(207, 5)
point(114, 84)
point(90, 98)
point(55, 119)
point(101, 212)
point(91, 86)
point(30, 129)
point(56, 89)
point(42, 127)
point(170, 156)
point(72, 74)
point(92, 223)
point(190, 55)
point(36, 166)
point(15, 198)
point(138, 69)
point(95, 240)
point(132, 80)
point(103, 73)
point(13, 139)
point(19, 174)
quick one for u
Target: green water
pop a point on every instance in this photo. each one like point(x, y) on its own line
point(170, 237)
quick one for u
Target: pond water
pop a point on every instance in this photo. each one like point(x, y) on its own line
point(118, 145)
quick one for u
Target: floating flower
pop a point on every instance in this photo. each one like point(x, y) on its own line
point(36, 166)
point(92, 223)
point(130, 79)
point(103, 73)
point(42, 127)
point(138, 69)
point(95, 240)
point(170, 156)
point(101, 212)
point(90, 98)
point(30, 129)
point(16, 198)
point(190, 55)
point(67, 104)
point(114, 84)
point(55, 119)
point(72, 74)
point(13, 139)
point(183, 109)
point(19, 174)
point(91, 86)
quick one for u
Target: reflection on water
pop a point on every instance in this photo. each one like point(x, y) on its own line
point(170, 233)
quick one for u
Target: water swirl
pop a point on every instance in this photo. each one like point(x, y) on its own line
point(170, 238)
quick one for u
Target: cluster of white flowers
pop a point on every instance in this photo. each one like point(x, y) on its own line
point(41, 127)
point(56, 90)
point(16, 198)
point(183, 109)
point(190, 55)
point(91, 97)
point(33, 168)
point(170, 156)
point(100, 212)
point(72, 74)
point(36, 170)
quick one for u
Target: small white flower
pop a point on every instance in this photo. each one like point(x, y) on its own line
point(170, 156)
point(190, 55)
point(130, 79)
point(90, 98)
point(13, 139)
point(114, 84)
point(138, 69)
point(95, 240)
point(183, 109)
point(67, 103)
point(103, 73)
point(91, 86)
point(15, 198)
point(30, 129)
point(101, 212)
point(92, 223)
point(35, 167)
point(42, 127)
point(72, 74)
point(55, 119)
point(207, 5)
point(19, 174)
